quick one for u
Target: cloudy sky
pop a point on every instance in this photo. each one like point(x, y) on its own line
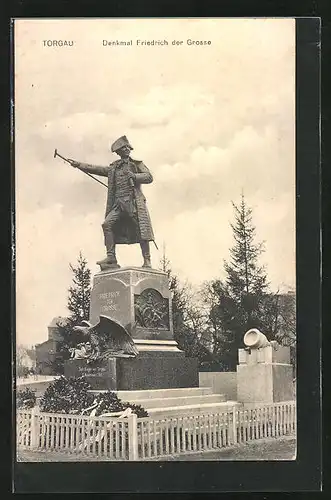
point(209, 121)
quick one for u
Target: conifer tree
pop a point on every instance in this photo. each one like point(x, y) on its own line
point(79, 295)
point(241, 301)
point(80, 291)
point(244, 275)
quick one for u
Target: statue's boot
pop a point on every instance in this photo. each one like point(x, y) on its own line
point(110, 261)
point(146, 254)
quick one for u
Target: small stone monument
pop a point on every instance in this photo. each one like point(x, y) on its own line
point(264, 372)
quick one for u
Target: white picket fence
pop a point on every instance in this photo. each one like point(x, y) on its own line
point(151, 438)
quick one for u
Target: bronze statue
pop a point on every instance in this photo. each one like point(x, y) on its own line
point(127, 220)
point(107, 339)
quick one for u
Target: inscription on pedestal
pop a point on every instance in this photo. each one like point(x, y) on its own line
point(110, 297)
point(91, 370)
point(101, 375)
point(108, 301)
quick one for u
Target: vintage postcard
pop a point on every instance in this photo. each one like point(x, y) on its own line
point(155, 239)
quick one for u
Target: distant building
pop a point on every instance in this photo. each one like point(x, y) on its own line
point(25, 360)
point(48, 352)
point(29, 358)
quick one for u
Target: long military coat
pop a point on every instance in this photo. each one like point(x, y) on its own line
point(124, 232)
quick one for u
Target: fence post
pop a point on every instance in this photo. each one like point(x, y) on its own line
point(234, 424)
point(133, 436)
point(34, 443)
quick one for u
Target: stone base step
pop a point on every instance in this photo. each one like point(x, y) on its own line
point(149, 394)
point(189, 410)
point(179, 401)
point(196, 409)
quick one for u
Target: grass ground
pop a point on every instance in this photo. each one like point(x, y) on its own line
point(271, 449)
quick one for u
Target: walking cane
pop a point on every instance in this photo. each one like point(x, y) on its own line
point(69, 161)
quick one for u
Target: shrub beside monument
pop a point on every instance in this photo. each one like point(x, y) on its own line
point(72, 396)
point(25, 399)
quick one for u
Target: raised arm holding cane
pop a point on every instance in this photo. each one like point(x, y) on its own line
point(127, 220)
point(75, 164)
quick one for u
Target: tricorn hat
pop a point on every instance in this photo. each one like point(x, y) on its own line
point(119, 143)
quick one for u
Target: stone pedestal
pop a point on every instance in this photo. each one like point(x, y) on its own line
point(265, 375)
point(137, 298)
point(101, 376)
point(140, 300)
point(157, 370)
point(149, 370)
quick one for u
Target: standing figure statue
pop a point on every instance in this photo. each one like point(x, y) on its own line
point(127, 220)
